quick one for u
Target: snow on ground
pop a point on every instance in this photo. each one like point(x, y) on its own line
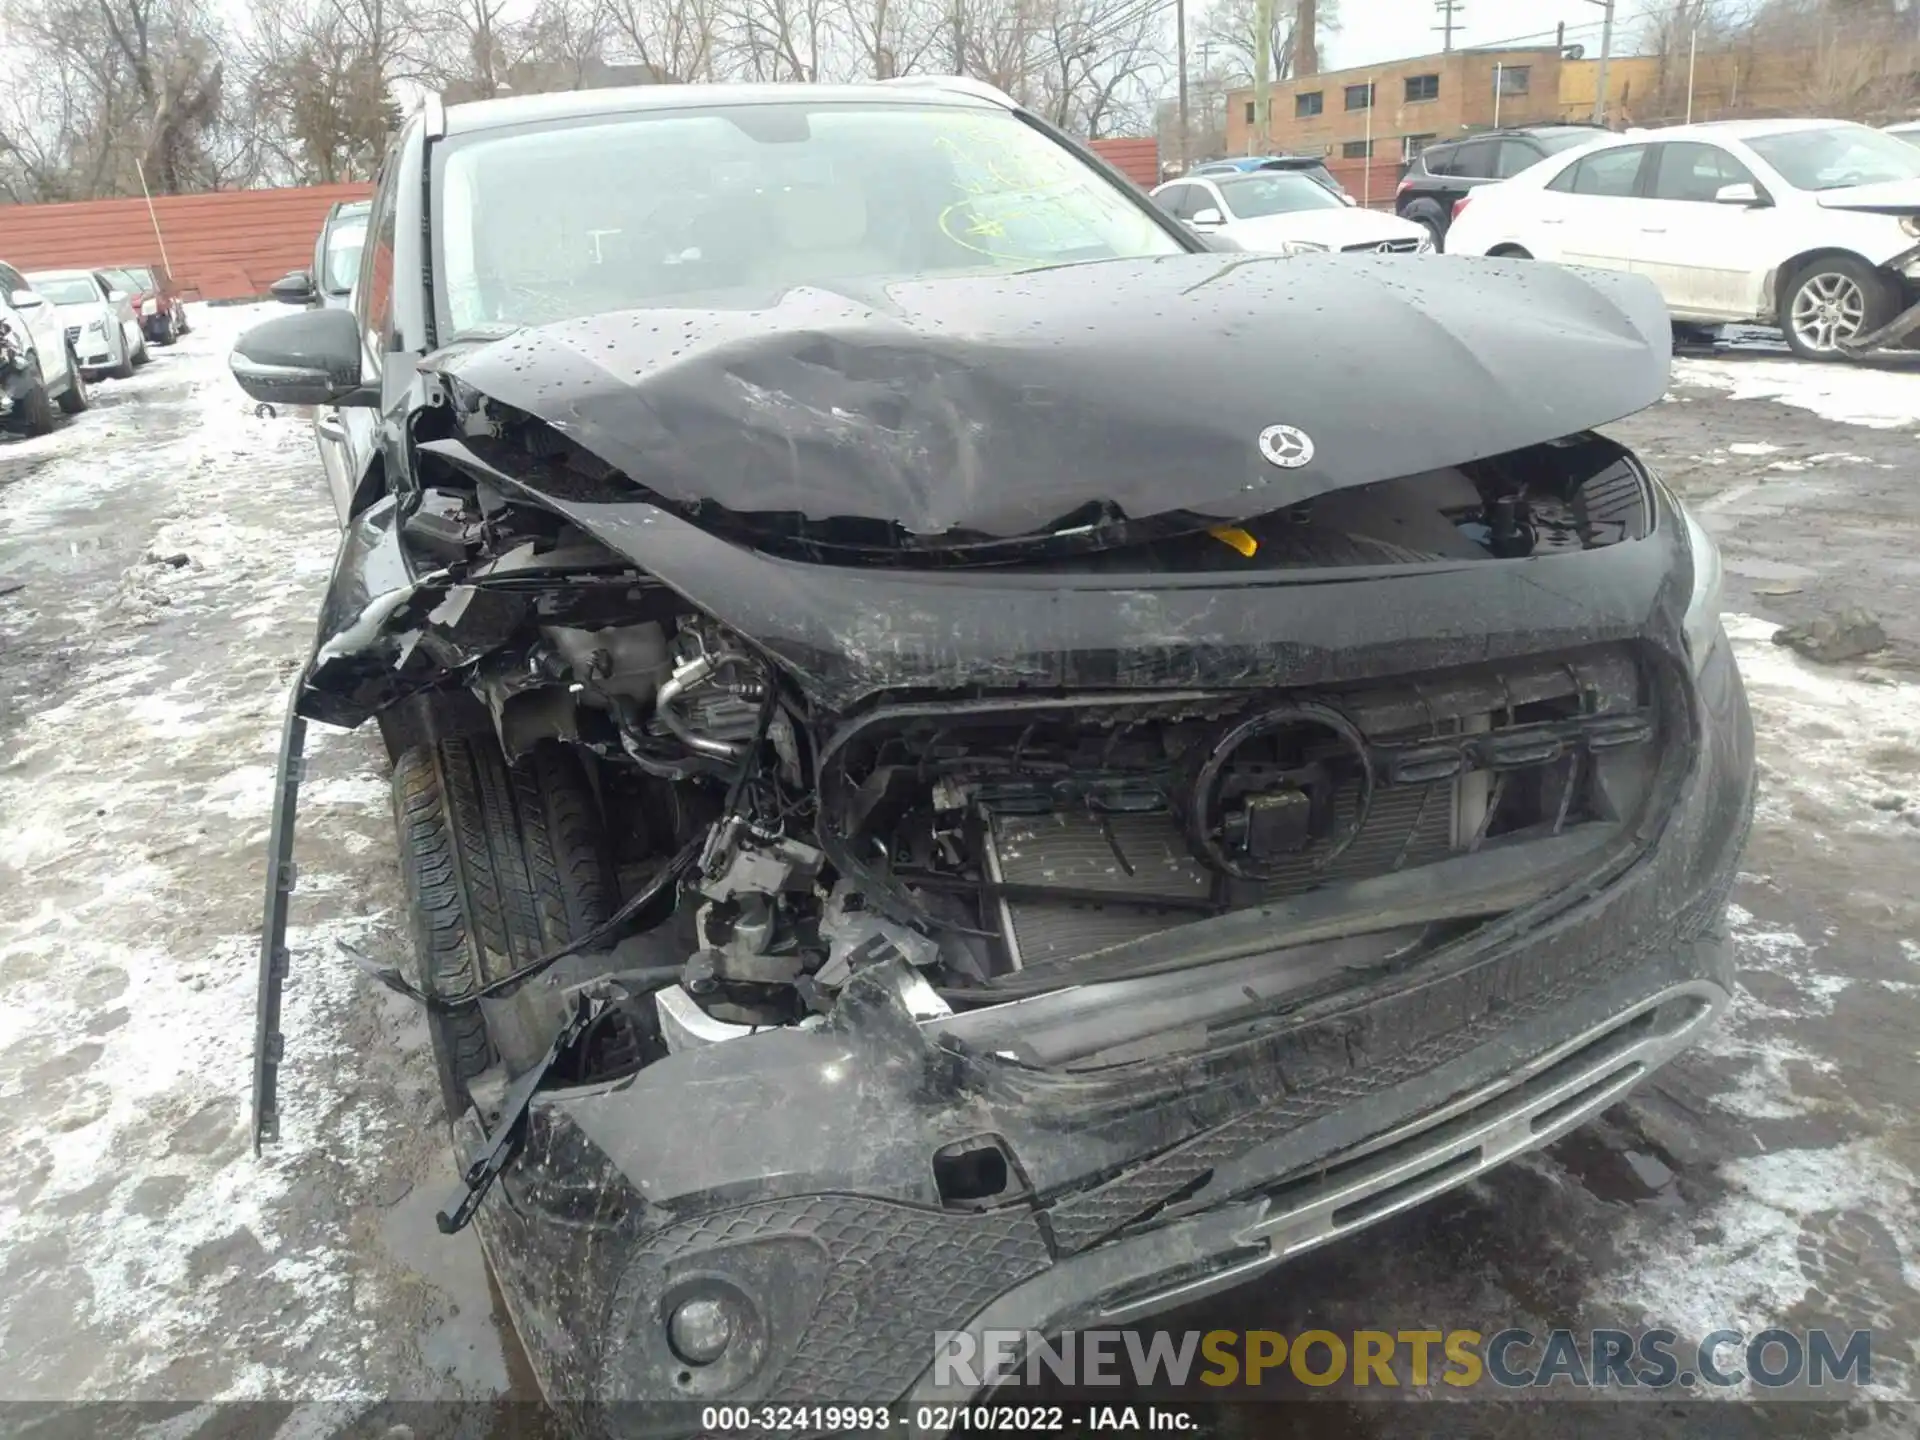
point(147, 1252)
point(1836, 757)
point(1851, 395)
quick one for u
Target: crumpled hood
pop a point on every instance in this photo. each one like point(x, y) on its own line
point(1884, 197)
point(999, 405)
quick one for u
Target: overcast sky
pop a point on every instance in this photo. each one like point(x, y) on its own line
point(1372, 30)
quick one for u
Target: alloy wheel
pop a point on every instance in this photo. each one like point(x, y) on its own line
point(1828, 308)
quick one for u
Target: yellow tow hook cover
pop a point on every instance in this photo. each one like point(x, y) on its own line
point(1236, 537)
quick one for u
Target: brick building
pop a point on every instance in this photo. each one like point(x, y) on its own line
point(1403, 105)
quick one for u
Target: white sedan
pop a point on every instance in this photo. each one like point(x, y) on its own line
point(1285, 212)
point(1811, 225)
point(101, 326)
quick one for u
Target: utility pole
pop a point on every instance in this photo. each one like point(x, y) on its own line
point(1600, 72)
point(959, 39)
point(1262, 73)
point(1448, 24)
point(1180, 23)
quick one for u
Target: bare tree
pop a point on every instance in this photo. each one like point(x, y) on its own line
point(319, 84)
point(677, 40)
point(140, 89)
point(1232, 28)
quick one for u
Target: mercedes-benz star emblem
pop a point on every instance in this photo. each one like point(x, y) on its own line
point(1286, 447)
point(1385, 247)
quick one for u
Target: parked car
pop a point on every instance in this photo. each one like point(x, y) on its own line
point(336, 260)
point(161, 308)
point(1312, 166)
point(1284, 212)
point(1811, 225)
point(1442, 175)
point(1907, 130)
point(38, 369)
point(100, 325)
point(961, 758)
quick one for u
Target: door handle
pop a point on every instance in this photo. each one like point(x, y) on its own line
point(1653, 229)
point(1546, 221)
point(329, 428)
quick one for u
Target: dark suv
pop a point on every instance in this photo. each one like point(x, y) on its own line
point(1441, 175)
point(952, 769)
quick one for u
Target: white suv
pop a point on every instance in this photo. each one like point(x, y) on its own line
point(1811, 225)
point(37, 366)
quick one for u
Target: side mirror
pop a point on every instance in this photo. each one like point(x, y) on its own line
point(26, 299)
point(294, 288)
point(1346, 199)
point(312, 358)
point(1207, 219)
point(114, 297)
point(1741, 194)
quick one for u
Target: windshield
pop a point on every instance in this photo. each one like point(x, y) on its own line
point(66, 291)
point(343, 254)
point(626, 212)
point(1837, 157)
point(130, 280)
point(1276, 192)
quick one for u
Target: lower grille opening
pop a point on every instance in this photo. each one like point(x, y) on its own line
point(1383, 1202)
point(1046, 832)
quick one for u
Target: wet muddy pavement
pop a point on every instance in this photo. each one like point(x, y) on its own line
point(170, 548)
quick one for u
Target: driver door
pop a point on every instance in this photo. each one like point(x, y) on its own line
point(1710, 260)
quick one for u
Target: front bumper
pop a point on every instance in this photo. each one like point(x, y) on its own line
point(793, 1175)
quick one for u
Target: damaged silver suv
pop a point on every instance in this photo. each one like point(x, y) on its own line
point(962, 759)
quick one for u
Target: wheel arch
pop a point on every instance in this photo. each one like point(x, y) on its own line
point(1789, 270)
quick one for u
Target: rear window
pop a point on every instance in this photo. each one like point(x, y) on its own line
point(1474, 159)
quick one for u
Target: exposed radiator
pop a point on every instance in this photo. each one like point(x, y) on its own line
point(1408, 825)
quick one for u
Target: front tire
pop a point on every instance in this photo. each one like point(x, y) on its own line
point(140, 356)
point(33, 412)
point(1834, 299)
point(124, 369)
point(501, 864)
point(76, 397)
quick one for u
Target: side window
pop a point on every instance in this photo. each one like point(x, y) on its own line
point(373, 292)
point(1167, 201)
point(1688, 170)
point(1438, 159)
point(1515, 156)
point(1207, 197)
point(1611, 173)
point(1475, 158)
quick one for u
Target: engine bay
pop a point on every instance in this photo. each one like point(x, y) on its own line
point(993, 843)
